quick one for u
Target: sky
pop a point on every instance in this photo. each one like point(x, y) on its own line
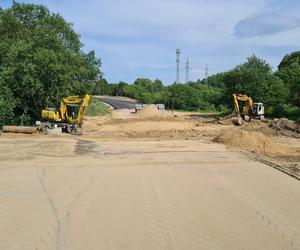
point(136, 38)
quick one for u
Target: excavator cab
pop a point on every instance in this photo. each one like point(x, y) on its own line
point(258, 109)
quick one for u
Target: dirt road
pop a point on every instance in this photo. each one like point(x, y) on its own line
point(84, 193)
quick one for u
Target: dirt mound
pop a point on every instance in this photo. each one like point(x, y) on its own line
point(92, 124)
point(149, 111)
point(253, 142)
point(286, 127)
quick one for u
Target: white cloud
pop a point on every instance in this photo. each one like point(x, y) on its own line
point(266, 24)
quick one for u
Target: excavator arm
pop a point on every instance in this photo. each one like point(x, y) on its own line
point(248, 109)
point(73, 108)
point(82, 109)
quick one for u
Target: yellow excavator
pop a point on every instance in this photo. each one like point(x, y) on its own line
point(69, 117)
point(248, 111)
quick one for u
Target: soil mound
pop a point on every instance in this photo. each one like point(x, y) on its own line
point(93, 124)
point(286, 127)
point(149, 111)
point(253, 142)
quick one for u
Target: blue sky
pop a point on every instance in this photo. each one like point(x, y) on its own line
point(137, 38)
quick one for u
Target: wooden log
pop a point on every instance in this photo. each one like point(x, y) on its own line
point(20, 129)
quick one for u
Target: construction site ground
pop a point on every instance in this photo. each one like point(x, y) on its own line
point(152, 180)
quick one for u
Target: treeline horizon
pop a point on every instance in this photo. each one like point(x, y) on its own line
point(279, 90)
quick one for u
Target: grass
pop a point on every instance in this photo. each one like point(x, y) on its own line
point(97, 108)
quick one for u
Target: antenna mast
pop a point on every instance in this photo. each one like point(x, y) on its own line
point(187, 70)
point(178, 65)
point(206, 74)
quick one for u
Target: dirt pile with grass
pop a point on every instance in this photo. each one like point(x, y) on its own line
point(253, 142)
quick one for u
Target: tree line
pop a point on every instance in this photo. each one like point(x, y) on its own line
point(42, 60)
point(279, 91)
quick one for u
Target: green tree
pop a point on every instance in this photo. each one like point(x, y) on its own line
point(7, 105)
point(138, 92)
point(289, 72)
point(157, 85)
point(216, 80)
point(255, 78)
point(121, 88)
point(100, 87)
point(41, 59)
point(148, 85)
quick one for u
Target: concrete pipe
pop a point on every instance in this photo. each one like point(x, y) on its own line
point(20, 129)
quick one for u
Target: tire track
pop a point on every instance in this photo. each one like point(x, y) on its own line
point(53, 209)
point(190, 233)
point(68, 213)
point(170, 211)
point(278, 223)
point(160, 231)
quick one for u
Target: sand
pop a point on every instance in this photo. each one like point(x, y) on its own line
point(150, 111)
point(253, 142)
point(148, 123)
point(81, 193)
point(146, 183)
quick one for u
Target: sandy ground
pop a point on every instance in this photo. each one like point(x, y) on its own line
point(122, 186)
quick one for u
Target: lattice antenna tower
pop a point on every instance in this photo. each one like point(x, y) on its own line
point(187, 70)
point(178, 65)
point(206, 74)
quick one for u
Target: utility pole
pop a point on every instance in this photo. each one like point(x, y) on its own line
point(178, 65)
point(187, 70)
point(206, 74)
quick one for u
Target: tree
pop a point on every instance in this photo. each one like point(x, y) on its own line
point(120, 88)
point(7, 105)
point(41, 59)
point(216, 80)
point(148, 85)
point(157, 85)
point(100, 87)
point(255, 78)
point(289, 72)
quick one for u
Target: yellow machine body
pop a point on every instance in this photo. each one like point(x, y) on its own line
point(51, 115)
point(70, 114)
point(247, 109)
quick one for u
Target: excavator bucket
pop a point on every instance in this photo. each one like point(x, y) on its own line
point(237, 121)
point(77, 131)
